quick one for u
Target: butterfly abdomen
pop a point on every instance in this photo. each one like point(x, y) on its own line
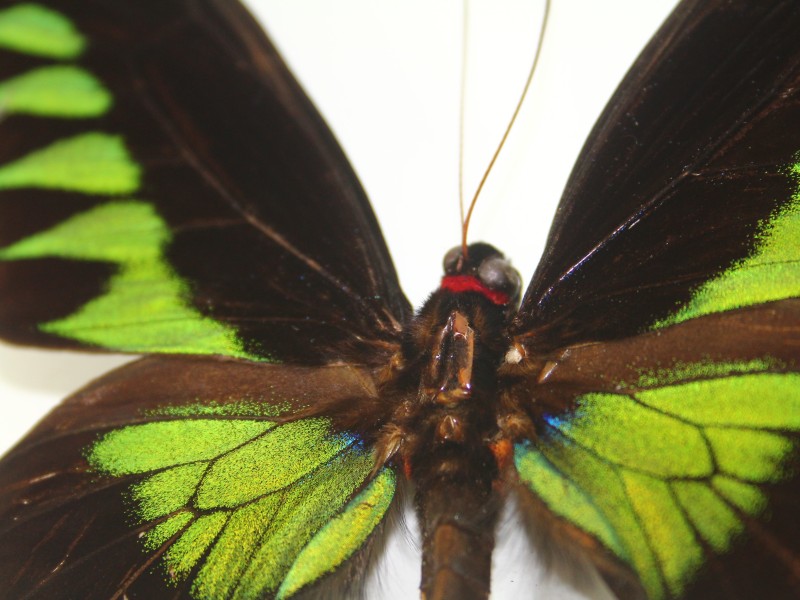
point(458, 511)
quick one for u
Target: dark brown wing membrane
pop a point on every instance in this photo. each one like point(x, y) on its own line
point(688, 157)
point(269, 225)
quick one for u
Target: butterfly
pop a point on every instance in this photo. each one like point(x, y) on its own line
point(566, 460)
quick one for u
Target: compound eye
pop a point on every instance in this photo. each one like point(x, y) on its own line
point(451, 260)
point(496, 273)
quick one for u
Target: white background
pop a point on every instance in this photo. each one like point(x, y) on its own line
point(386, 77)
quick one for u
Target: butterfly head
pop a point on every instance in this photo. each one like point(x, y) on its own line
point(483, 269)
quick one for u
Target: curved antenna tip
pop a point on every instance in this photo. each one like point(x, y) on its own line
point(465, 219)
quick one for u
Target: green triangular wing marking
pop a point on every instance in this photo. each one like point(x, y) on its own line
point(56, 91)
point(759, 400)
point(597, 427)
point(161, 533)
point(239, 476)
point(771, 272)
point(119, 453)
point(306, 509)
point(716, 521)
point(574, 502)
point(342, 536)
point(33, 29)
point(185, 553)
point(92, 163)
point(250, 507)
point(591, 494)
point(656, 473)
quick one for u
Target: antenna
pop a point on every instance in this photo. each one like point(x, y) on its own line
point(466, 219)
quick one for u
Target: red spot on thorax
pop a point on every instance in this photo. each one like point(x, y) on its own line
point(468, 283)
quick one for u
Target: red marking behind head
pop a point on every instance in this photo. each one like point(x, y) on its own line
point(468, 283)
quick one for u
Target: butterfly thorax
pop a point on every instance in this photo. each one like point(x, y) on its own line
point(445, 427)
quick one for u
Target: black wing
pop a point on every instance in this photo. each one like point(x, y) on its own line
point(264, 233)
point(689, 157)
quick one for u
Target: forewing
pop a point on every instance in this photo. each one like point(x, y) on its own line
point(191, 478)
point(166, 186)
point(690, 162)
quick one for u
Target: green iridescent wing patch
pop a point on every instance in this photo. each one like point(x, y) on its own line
point(661, 472)
point(145, 306)
point(34, 29)
point(91, 163)
point(245, 507)
point(771, 271)
point(55, 91)
point(195, 477)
